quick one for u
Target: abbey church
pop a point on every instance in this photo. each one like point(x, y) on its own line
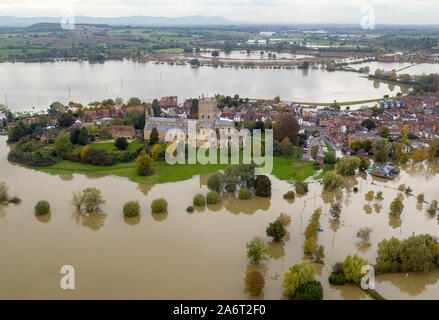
point(208, 118)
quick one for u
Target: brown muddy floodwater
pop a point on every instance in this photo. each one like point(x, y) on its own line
point(198, 255)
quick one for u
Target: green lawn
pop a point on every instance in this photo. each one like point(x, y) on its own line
point(109, 146)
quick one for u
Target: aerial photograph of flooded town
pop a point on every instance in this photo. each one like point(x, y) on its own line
point(219, 150)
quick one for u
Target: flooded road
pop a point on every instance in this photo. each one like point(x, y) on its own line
point(199, 255)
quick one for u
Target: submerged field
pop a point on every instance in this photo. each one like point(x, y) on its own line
point(199, 255)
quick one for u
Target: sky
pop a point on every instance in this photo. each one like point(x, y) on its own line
point(263, 11)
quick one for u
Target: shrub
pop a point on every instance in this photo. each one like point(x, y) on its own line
point(312, 290)
point(276, 230)
point(310, 246)
point(144, 162)
point(159, 205)
point(301, 187)
point(263, 186)
point(244, 194)
point(42, 207)
point(352, 268)
point(131, 209)
point(199, 200)
point(290, 195)
point(288, 149)
point(254, 282)
point(212, 197)
point(190, 209)
point(121, 143)
point(15, 200)
point(256, 250)
point(337, 278)
point(214, 183)
point(396, 207)
point(421, 198)
point(296, 276)
point(355, 189)
point(433, 207)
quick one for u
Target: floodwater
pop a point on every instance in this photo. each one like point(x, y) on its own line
point(253, 55)
point(199, 255)
point(401, 67)
point(27, 85)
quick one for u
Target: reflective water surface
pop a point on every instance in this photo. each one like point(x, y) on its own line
point(199, 255)
point(27, 85)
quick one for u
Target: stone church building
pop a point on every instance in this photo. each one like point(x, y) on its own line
point(208, 118)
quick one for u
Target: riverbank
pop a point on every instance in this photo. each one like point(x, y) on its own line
point(284, 168)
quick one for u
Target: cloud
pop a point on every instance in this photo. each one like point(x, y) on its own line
point(286, 11)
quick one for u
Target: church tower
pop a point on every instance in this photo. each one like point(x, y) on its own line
point(207, 110)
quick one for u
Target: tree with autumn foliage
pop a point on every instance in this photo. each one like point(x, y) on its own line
point(286, 126)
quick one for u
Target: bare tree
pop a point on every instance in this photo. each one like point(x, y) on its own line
point(364, 234)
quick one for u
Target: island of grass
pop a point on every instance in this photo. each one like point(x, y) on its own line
point(289, 168)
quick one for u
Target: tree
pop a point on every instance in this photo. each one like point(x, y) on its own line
point(213, 197)
point(352, 268)
point(263, 186)
point(384, 132)
point(396, 207)
point(254, 282)
point(215, 183)
point(335, 210)
point(364, 163)
point(288, 149)
point(312, 290)
point(136, 119)
point(330, 157)
point(378, 73)
point(369, 196)
point(154, 136)
point(89, 198)
point(144, 163)
point(310, 246)
point(298, 275)
point(83, 137)
point(195, 62)
point(381, 151)
point(121, 143)
point(320, 254)
point(156, 108)
point(433, 207)
point(347, 165)
point(286, 126)
point(18, 131)
point(301, 187)
point(276, 230)
point(356, 145)
point(364, 234)
point(155, 151)
point(314, 152)
point(65, 119)
point(393, 76)
point(63, 146)
point(369, 124)
point(256, 250)
point(194, 106)
point(331, 181)
point(134, 102)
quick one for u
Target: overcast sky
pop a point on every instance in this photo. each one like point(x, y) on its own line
point(284, 11)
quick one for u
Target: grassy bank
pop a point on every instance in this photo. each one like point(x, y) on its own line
point(284, 168)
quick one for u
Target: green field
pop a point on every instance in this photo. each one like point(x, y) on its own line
point(284, 168)
point(109, 146)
